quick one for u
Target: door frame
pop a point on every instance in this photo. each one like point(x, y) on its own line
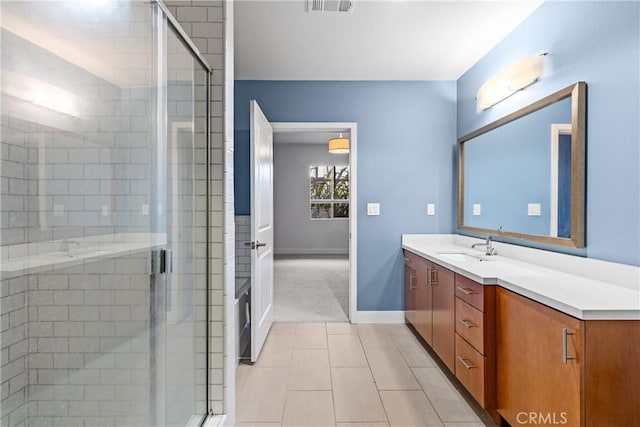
point(557, 129)
point(352, 128)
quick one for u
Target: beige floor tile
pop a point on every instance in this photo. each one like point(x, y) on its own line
point(346, 351)
point(310, 335)
point(276, 352)
point(242, 371)
point(355, 396)
point(409, 408)
point(414, 354)
point(362, 425)
point(446, 400)
point(263, 396)
point(375, 336)
point(390, 371)
point(309, 408)
point(278, 328)
point(310, 370)
point(334, 328)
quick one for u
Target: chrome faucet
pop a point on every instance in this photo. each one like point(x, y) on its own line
point(65, 246)
point(488, 244)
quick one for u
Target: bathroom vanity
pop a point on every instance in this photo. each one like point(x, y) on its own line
point(555, 341)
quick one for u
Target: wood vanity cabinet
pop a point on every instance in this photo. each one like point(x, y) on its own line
point(557, 370)
point(475, 340)
point(410, 280)
point(441, 281)
point(417, 294)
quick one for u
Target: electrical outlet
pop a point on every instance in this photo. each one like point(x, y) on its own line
point(431, 209)
point(477, 209)
point(145, 209)
point(105, 210)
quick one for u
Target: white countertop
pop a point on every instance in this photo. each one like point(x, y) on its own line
point(576, 295)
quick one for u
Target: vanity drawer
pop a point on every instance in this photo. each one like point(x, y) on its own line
point(470, 324)
point(470, 292)
point(470, 370)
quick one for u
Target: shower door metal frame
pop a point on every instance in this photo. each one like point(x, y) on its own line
point(162, 15)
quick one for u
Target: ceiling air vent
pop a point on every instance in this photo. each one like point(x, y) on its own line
point(329, 5)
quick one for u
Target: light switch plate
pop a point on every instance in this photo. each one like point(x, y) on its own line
point(431, 209)
point(477, 209)
point(145, 209)
point(105, 210)
point(373, 209)
point(534, 209)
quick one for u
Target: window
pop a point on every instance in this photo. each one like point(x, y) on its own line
point(329, 192)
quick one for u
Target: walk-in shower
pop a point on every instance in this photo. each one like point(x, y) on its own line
point(104, 138)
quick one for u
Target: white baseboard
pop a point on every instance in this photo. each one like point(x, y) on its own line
point(311, 251)
point(379, 317)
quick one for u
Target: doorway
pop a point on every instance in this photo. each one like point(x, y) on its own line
point(315, 196)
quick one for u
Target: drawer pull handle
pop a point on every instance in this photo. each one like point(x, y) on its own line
point(466, 323)
point(411, 285)
point(565, 355)
point(467, 291)
point(406, 259)
point(464, 362)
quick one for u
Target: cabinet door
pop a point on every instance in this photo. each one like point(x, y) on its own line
point(423, 304)
point(443, 297)
point(410, 281)
point(538, 363)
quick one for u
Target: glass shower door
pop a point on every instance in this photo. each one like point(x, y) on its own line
point(103, 167)
point(181, 301)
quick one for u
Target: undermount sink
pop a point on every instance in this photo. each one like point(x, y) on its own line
point(463, 256)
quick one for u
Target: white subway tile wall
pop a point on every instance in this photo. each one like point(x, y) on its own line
point(243, 250)
point(75, 346)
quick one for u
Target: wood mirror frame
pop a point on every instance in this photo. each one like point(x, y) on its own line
point(577, 93)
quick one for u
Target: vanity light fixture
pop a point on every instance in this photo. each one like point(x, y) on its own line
point(510, 80)
point(339, 145)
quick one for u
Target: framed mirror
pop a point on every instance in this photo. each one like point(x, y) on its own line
point(523, 176)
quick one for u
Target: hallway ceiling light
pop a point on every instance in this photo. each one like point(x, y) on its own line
point(510, 80)
point(339, 145)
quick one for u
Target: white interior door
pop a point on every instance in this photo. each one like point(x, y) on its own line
point(261, 229)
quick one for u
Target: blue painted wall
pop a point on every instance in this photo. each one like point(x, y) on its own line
point(509, 167)
point(596, 42)
point(406, 141)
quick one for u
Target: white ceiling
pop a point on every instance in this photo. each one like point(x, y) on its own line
point(378, 40)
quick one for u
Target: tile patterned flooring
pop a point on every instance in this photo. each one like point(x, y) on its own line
point(338, 374)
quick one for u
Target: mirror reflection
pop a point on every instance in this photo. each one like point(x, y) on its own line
point(517, 176)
